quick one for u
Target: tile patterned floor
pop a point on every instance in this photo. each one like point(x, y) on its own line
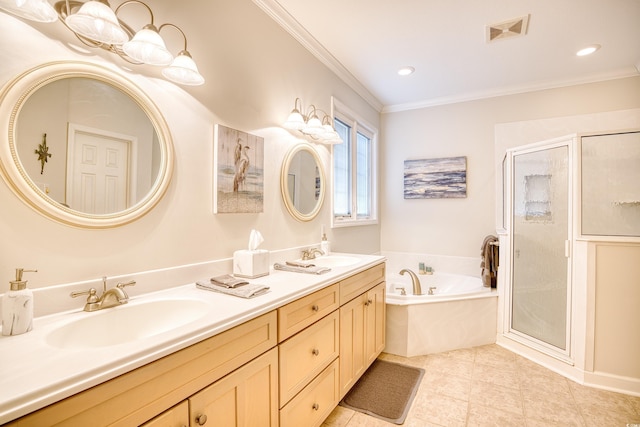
point(491, 386)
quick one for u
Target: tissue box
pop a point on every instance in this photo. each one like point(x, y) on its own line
point(251, 264)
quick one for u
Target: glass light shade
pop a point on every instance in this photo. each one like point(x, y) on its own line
point(33, 10)
point(183, 70)
point(148, 47)
point(330, 136)
point(314, 126)
point(96, 21)
point(295, 121)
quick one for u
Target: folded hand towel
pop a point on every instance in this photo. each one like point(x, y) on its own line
point(300, 264)
point(308, 270)
point(228, 281)
point(246, 291)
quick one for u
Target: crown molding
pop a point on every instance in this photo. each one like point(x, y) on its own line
point(276, 12)
point(514, 90)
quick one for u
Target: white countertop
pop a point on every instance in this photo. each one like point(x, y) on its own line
point(35, 374)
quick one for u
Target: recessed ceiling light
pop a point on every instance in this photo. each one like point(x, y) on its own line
point(405, 71)
point(588, 50)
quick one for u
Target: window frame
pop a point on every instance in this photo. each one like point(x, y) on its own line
point(358, 125)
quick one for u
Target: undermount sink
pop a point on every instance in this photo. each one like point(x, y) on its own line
point(127, 323)
point(335, 260)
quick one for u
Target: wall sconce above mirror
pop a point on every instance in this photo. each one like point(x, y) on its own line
point(310, 125)
point(108, 151)
point(96, 25)
point(302, 182)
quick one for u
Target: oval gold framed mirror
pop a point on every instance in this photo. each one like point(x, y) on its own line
point(302, 182)
point(84, 146)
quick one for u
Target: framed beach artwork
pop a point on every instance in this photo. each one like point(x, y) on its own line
point(443, 178)
point(238, 171)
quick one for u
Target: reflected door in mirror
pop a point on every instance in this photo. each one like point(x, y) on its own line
point(98, 171)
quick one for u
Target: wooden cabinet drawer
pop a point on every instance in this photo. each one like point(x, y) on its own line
point(303, 356)
point(359, 283)
point(314, 404)
point(178, 416)
point(301, 313)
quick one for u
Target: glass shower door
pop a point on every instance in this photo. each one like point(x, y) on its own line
point(540, 257)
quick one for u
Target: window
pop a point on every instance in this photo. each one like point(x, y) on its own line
point(354, 171)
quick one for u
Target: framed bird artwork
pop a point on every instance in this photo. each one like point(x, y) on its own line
point(238, 171)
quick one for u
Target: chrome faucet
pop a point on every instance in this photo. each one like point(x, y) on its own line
point(109, 298)
point(417, 288)
point(308, 254)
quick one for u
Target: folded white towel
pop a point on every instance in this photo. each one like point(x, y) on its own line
point(228, 281)
point(300, 264)
point(308, 270)
point(244, 291)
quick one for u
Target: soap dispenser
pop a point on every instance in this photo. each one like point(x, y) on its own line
point(17, 306)
point(324, 243)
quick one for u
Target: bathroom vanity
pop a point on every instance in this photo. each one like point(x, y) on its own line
point(284, 358)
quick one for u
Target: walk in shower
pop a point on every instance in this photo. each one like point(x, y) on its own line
point(568, 221)
point(569, 278)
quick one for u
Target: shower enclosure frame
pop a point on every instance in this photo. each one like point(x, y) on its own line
point(566, 354)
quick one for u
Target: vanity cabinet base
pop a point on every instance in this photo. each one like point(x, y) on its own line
point(138, 396)
point(288, 367)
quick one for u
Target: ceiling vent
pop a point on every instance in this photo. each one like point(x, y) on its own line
point(512, 28)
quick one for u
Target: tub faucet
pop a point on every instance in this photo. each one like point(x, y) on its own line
point(417, 288)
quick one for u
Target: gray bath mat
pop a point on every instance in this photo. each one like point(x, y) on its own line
point(385, 391)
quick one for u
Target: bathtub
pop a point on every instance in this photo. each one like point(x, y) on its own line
point(461, 313)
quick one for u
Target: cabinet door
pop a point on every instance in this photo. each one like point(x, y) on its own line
point(246, 397)
point(375, 323)
point(362, 335)
point(352, 342)
point(178, 416)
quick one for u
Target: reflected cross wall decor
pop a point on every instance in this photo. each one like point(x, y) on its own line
point(435, 178)
point(238, 172)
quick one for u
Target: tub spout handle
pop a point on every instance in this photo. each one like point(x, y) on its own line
point(431, 289)
point(402, 290)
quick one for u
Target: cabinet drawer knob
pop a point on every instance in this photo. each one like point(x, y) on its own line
point(201, 419)
point(368, 303)
point(315, 407)
point(315, 308)
point(315, 352)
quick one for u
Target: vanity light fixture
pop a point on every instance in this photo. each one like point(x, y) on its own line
point(310, 124)
point(95, 24)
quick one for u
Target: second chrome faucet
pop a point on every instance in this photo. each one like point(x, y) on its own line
point(109, 298)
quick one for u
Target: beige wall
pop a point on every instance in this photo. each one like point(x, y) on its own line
point(458, 226)
point(617, 318)
point(259, 70)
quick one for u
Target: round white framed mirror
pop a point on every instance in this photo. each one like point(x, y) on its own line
point(83, 145)
point(302, 182)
